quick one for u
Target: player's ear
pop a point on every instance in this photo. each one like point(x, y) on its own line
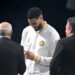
point(29, 21)
point(41, 17)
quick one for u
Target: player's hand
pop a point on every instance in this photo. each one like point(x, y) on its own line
point(29, 55)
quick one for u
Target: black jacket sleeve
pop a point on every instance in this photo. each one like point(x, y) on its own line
point(55, 63)
point(21, 62)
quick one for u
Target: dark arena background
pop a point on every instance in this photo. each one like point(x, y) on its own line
point(55, 13)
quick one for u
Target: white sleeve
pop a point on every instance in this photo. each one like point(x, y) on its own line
point(55, 39)
point(45, 61)
point(24, 34)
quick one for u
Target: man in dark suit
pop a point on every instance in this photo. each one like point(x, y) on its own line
point(11, 54)
point(63, 62)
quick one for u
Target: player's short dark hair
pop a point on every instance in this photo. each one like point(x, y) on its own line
point(34, 12)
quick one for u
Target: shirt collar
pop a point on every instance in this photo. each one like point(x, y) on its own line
point(5, 36)
point(70, 35)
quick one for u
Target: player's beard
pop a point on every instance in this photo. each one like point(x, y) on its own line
point(39, 27)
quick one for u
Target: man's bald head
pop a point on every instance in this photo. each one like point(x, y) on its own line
point(5, 29)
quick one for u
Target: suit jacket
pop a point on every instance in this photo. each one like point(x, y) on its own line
point(63, 62)
point(11, 57)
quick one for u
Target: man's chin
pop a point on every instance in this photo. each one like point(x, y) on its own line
point(36, 29)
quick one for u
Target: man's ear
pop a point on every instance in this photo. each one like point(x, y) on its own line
point(29, 21)
point(10, 35)
point(71, 29)
point(41, 17)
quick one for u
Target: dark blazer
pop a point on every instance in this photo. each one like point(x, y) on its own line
point(11, 57)
point(63, 62)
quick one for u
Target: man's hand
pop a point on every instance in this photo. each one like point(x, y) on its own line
point(29, 55)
